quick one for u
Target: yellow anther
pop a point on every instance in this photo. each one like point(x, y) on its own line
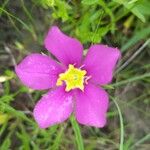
point(73, 77)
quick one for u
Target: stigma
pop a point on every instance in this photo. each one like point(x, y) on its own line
point(73, 78)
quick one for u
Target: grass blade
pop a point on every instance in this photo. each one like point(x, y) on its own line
point(121, 124)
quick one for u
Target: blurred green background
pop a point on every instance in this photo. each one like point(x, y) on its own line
point(118, 23)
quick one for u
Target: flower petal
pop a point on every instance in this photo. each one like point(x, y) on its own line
point(68, 50)
point(91, 106)
point(38, 71)
point(55, 107)
point(100, 62)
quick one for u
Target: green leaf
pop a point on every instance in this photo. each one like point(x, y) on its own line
point(144, 7)
point(133, 7)
point(58, 139)
point(6, 144)
point(61, 10)
point(138, 13)
point(24, 138)
point(89, 2)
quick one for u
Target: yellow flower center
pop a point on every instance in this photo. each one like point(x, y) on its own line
point(73, 77)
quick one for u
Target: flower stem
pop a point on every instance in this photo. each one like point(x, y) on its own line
point(77, 132)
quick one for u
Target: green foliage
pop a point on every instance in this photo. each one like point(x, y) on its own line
point(89, 2)
point(89, 19)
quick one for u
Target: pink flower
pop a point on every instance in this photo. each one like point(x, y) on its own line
point(74, 81)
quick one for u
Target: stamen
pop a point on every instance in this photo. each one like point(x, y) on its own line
point(81, 66)
point(87, 78)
